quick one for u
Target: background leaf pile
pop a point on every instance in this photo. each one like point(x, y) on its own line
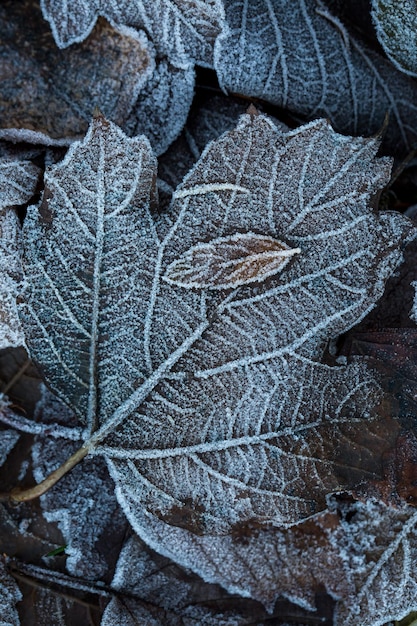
point(256, 417)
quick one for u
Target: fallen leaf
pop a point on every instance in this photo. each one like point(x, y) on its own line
point(379, 548)
point(211, 409)
point(9, 597)
point(229, 262)
point(161, 110)
point(299, 56)
point(181, 30)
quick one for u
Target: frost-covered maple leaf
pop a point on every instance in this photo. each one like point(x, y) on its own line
point(300, 57)
point(208, 401)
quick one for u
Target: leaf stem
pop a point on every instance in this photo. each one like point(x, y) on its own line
point(23, 495)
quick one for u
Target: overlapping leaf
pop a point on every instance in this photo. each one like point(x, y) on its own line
point(264, 564)
point(209, 407)
point(183, 30)
point(300, 57)
point(396, 27)
point(18, 181)
point(62, 88)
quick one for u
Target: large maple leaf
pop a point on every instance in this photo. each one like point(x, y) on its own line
point(207, 398)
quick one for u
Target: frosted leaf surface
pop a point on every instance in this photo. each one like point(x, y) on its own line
point(263, 564)
point(396, 27)
point(182, 30)
point(8, 438)
point(18, 181)
point(162, 107)
point(210, 409)
point(379, 549)
point(9, 596)
point(152, 589)
point(206, 121)
point(229, 262)
point(92, 270)
point(11, 334)
point(130, 612)
point(298, 56)
point(61, 88)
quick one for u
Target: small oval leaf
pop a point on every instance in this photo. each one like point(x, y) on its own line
point(229, 262)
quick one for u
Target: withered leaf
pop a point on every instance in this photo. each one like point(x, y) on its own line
point(61, 88)
point(83, 504)
point(396, 28)
point(229, 262)
point(211, 408)
point(181, 30)
point(299, 56)
point(260, 563)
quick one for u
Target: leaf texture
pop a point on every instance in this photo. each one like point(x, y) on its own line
point(11, 334)
point(182, 30)
point(99, 281)
point(379, 549)
point(211, 410)
point(18, 182)
point(298, 56)
point(263, 564)
point(162, 107)
point(396, 28)
point(84, 508)
point(230, 262)
point(9, 597)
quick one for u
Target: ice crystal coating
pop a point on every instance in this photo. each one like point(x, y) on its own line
point(86, 260)
point(229, 262)
point(9, 596)
point(263, 564)
point(83, 506)
point(150, 593)
point(18, 182)
point(299, 56)
point(182, 30)
point(209, 406)
point(11, 334)
point(396, 27)
point(379, 548)
point(162, 107)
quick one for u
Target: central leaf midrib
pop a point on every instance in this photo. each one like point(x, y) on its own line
point(98, 257)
